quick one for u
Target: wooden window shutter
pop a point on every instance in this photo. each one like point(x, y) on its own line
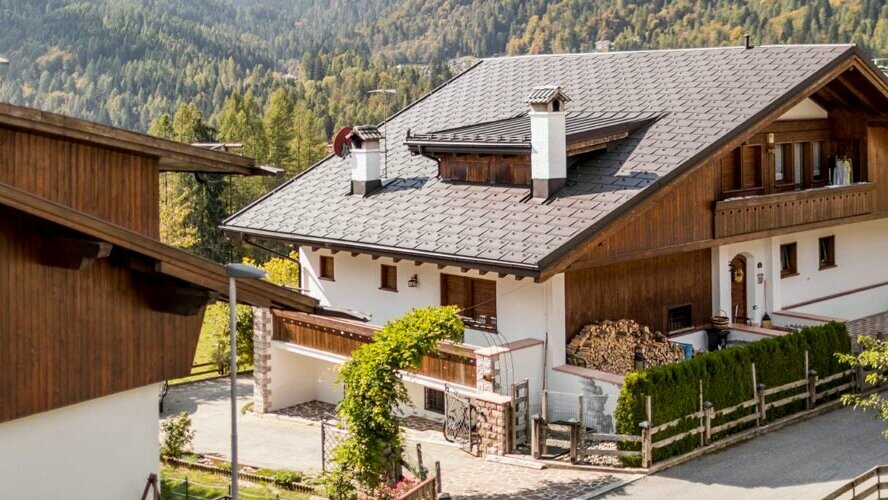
point(326, 268)
point(388, 278)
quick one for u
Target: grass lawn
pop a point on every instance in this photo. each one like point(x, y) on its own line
point(206, 486)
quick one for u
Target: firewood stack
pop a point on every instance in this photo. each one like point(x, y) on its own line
point(610, 346)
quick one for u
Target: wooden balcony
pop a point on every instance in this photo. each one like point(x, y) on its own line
point(762, 213)
point(452, 363)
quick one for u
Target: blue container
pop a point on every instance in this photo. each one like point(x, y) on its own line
point(688, 349)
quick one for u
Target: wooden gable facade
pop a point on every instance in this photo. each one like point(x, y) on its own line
point(735, 194)
point(92, 303)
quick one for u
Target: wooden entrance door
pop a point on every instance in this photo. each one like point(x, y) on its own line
point(739, 277)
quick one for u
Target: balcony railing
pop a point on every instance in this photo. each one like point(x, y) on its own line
point(452, 363)
point(761, 213)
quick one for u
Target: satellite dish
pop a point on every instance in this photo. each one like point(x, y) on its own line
point(341, 143)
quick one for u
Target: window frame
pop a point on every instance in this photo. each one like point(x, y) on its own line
point(321, 268)
point(436, 395)
point(830, 261)
point(690, 318)
point(790, 268)
point(469, 288)
point(383, 276)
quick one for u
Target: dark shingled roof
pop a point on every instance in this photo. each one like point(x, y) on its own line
point(704, 95)
point(516, 130)
point(546, 94)
point(365, 133)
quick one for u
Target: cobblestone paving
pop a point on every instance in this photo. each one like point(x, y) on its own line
point(286, 443)
point(416, 427)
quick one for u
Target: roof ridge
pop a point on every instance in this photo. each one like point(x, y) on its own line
point(651, 51)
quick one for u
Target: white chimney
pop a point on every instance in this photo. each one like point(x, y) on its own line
point(548, 156)
point(364, 152)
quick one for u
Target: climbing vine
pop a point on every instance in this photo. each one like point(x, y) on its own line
point(373, 392)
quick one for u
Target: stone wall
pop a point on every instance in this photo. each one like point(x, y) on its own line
point(262, 331)
point(493, 416)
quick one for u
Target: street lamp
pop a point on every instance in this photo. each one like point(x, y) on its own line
point(236, 272)
point(385, 152)
point(4, 61)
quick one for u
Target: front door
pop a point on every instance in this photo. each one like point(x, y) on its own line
point(738, 290)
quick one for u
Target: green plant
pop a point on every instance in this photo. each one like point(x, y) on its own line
point(726, 377)
point(216, 326)
point(177, 435)
point(373, 390)
point(874, 357)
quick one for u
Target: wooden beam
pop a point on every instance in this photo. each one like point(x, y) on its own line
point(851, 89)
point(833, 95)
point(173, 296)
point(72, 253)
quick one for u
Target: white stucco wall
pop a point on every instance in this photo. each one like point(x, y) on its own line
point(103, 448)
point(861, 259)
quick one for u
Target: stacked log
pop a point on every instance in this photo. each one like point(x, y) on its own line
point(610, 346)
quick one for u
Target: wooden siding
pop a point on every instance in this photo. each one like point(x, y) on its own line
point(783, 210)
point(642, 290)
point(488, 169)
point(683, 213)
point(453, 363)
point(70, 336)
point(121, 188)
point(877, 152)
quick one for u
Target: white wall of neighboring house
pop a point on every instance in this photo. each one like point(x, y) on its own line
point(103, 448)
point(861, 259)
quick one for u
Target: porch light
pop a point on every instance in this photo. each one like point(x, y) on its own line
point(413, 282)
point(640, 360)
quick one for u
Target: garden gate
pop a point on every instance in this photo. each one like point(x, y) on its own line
point(520, 414)
point(458, 422)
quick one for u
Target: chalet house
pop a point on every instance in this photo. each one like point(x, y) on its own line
point(543, 193)
point(95, 311)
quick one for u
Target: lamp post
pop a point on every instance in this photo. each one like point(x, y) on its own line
point(4, 61)
point(385, 127)
point(235, 272)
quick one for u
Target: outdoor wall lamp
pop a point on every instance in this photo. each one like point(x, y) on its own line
point(413, 282)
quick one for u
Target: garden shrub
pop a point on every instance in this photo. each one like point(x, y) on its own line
point(177, 435)
point(727, 380)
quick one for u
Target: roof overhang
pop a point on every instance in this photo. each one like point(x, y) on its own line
point(161, 259)
point(173, 156)
point(502, 268)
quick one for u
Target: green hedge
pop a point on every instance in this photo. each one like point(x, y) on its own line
point(727, 381)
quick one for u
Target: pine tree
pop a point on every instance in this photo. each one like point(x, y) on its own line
point(162, 126)
point(278, 124)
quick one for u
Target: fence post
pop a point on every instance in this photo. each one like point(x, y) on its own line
point(702, 417)
point(708, 413)
point(422, 469)
point(812, 389)
point(535, 437)
point(861, 378)
point(438, 476)
point(323, 447)
point(545, 405)
point(755, 394)
point(647, 449)
point(581, 435)
point(186, 488)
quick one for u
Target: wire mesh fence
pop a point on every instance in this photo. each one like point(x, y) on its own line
point(562, 407)
point(331, 436)
point(196, 490)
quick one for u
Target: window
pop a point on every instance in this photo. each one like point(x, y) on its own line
point(475, 297)
point(434, 400)
point(798, 160)
point(326, 268)
point(780, 152)
point(388, 278)
point(679, 318)
point(827, 252)
point(817, 160)
point(788, 260)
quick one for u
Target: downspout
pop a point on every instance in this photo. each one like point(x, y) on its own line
point(430, 157)
point(546, 340)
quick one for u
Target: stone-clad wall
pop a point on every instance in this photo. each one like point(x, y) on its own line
point(262, 330)
point(493, 416)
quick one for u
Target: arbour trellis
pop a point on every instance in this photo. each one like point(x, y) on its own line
point(808, 389)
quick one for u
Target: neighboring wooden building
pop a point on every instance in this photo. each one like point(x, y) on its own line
point(94, 311)
point(542, 193)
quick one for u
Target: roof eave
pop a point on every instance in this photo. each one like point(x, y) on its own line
point(486, 265)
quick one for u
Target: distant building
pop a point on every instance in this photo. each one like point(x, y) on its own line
point(603, 46)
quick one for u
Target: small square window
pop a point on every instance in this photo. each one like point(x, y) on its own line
point(388, 278)
point(788, 260)
point(434, 400)
point(680, 318)
point(326, 268)
point(827, 252)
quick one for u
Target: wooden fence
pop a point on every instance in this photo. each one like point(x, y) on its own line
point(809, 390)
point(425, 490)
point(866, 485)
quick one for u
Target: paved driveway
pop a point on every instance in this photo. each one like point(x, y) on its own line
point(269, 441)
point(806, 460)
